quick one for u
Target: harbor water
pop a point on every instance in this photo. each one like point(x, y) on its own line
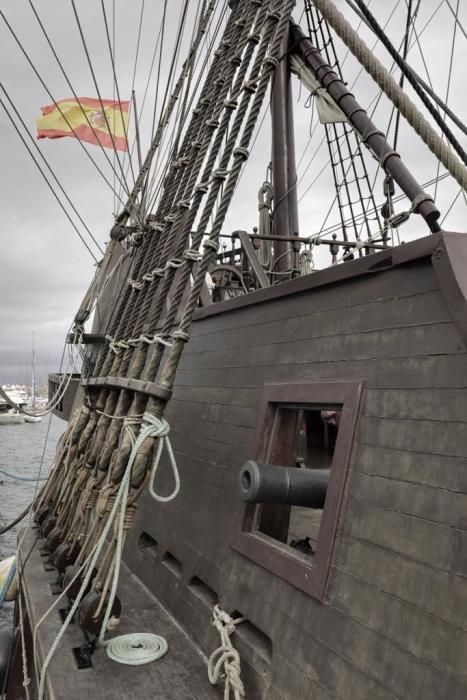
point(23, 449)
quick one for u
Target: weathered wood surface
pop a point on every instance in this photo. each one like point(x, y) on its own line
point(179, 675)
point(394, 621)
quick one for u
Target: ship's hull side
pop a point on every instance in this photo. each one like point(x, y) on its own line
point(390, 621)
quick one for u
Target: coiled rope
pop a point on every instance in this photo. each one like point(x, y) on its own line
point(389, 86)
point(136, 649)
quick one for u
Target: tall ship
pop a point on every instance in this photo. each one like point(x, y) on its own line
point(260, 491)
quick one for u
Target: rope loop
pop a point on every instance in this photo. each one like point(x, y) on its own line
point(203, 187)
point(211, 244)
point(231, 104)
point(192, 254)
point(159, 428)
point(271, 61)
point(156, 226)
point(183, 204)
point(241, 152)
point(254, 38)
point(174, 263)
point(220, 174)
point(249, 86)
point(181, 335)
point(135, 284)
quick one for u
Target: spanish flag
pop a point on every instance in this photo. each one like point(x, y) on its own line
point(86, 119)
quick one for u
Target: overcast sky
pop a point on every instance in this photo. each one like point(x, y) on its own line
point(45, 269)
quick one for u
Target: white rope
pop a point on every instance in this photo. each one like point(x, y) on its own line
point(26, 679)
point(136, 649)
point(151, 427)
point(226, 657)
point(161, 429)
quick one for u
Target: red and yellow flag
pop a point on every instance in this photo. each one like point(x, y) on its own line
point(87, 119)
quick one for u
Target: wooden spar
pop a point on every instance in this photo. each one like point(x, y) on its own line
point(371, 136)
point(284, 174)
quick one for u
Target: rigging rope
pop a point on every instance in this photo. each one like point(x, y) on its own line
point(46, 179)
point(88, 57)
point(393, 91)
point(63, 115)
point(65, 75)
point(428, 88)
point(50, 169)
point(411, 78)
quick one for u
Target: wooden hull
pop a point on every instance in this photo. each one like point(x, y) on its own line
point(387, 617)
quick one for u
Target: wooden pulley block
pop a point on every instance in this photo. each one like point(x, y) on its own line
point(65, 555)
point(72, 587)
point(87, 618)
point(55, 537)
point(42, 513)
point(48, 525)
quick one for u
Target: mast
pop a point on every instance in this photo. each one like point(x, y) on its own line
point(33, 386)
point(284, 175)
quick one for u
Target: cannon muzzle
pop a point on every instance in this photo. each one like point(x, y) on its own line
point(269, 483)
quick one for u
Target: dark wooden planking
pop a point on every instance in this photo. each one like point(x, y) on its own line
point(432, 404)
point(429, 639)
point(400, 372)
point(396, 312)
point(439, 593)
point(434, 504)
point(442, 547)
point(413, 341)
point(333, 641)
point(433, 437)
point(448, 473)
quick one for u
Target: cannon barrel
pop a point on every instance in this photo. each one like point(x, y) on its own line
point(269, 483)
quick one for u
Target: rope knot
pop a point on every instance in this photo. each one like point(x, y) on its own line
point(271, 61)
point(203, 187)
point(226, 656)
point(249, 86)
point(156, 427)
point(192, 254)
point(181, 335)
point(241, 152)
point(156, 226)
point(211, 244)
point(183, 204)
point(220, 174)
point(174, 263)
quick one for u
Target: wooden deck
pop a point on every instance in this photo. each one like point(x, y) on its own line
point(180, 675)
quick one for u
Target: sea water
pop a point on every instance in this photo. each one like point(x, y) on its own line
point(23, 449)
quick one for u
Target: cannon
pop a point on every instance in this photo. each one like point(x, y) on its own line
point(270, 483)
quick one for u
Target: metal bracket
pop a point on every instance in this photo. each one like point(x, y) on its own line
point(83, 654)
